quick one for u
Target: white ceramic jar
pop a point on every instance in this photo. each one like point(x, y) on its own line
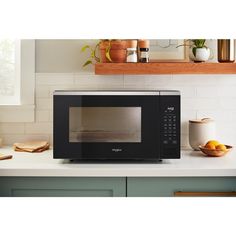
point(201, 131)
point(202, 54)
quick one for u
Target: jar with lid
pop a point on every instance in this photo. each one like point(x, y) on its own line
point(131, 54)
point(201, 131)
point(143, 50)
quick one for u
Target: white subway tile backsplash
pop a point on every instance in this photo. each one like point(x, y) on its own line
point(42, 116)
point(52, 88)
point(226, 132)
point(218, 115)
point(157, 81)
point(184, 127)
point(185, 91)
point(225, 80)
point(187, 115)
point(207, 92)
point(12, 128)
point(227, 103)
point(199, 103)
point(10, 139)
point(99, 82)
point(193, 80)
point(147, 82)
point(42, 91)
point(134, 82)
point(50, 115)
point(44, 103)
point(54, 78)
point(227, 91)
point(38, 128)
point(185, 141)
point(201, 96)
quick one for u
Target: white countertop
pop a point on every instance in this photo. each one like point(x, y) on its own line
point(192, 163)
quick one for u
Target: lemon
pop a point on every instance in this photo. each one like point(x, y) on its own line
point(210, 146)
point(221, 147)
point(213, 142)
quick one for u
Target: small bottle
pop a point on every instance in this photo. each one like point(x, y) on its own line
point(144, 50)
point(131, 54)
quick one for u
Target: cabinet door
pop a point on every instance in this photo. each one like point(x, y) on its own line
point(169, 186)
point(62, 187)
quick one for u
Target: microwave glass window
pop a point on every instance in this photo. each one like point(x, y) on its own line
point(105, 124)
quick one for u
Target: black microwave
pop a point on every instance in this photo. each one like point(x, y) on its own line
point(116, 125)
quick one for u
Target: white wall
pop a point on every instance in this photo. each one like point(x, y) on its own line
point(202, 96)
point(61, 55)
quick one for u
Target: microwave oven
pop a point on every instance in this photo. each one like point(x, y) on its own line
point(116, 125)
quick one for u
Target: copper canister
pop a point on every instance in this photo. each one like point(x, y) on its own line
point(226, 50)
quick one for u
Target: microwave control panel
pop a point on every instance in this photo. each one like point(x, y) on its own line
point(170, 127)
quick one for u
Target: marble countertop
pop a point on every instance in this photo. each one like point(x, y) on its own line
point(192, 163)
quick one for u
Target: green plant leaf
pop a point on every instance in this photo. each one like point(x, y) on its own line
point(84, 48)
point(108, 56)
point(194, 51)
point(87, 63)
point(92, 54)
point(107, 52)
point(183, 45)
point(199, 43)
point(97, 59)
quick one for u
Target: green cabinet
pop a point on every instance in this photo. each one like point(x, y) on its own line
point(168, 186)
point(62, 187)
point(114, 186)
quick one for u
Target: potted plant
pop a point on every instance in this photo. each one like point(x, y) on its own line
point(199, 52)
point(106, 51)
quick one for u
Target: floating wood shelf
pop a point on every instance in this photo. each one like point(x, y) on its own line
point(164, 68)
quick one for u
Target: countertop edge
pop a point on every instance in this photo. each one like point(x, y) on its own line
point(138, 173)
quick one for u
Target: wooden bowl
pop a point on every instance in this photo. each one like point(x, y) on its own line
point(215, 152)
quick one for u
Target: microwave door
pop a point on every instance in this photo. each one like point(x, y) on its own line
point(106, 127)
point(105, 124)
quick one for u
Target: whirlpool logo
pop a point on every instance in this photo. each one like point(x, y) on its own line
point(116, 150)
point(170, 108)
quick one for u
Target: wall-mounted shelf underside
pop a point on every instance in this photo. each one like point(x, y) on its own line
point(164, 68)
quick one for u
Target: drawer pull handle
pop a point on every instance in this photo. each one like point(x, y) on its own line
point(204, 194)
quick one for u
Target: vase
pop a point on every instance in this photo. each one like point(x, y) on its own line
point(200, 55)
point(225, 50)
point(117, 51)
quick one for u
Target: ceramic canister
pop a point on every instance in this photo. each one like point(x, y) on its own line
point(201, 131)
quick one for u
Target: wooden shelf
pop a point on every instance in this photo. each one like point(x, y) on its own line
point(164, 68)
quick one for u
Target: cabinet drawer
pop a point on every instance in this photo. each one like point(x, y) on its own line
point(169, 186)
point(62, 187)
point(204, 194)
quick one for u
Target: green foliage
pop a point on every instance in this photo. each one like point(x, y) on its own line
point(194, 51)
point(199, 43)
point(87, 63)
point(107, 53)
point(93, 58)
point(194, 43)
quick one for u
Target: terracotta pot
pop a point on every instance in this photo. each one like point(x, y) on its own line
point(117, 51)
